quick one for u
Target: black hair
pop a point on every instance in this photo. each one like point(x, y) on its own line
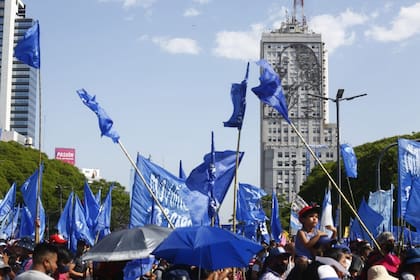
point(41, 250)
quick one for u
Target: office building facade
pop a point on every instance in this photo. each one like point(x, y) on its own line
point(18, 81)
point(300, 58)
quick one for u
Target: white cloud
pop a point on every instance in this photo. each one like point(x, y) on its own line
point(404, 26)
point(191, 12)
point(243, 45)
point(177, 45)
point(336, 30)
point(142, 3)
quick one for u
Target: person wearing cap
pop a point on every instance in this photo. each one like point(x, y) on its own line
point(410, 267)
point(383, 256)
point(275, 265)
point(379, 272)
point(309, 235)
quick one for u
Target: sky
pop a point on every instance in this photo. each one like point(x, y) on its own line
point(162, 69)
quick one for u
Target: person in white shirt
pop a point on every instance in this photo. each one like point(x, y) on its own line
point(44, 263)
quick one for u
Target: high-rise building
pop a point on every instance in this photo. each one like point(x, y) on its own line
point(18, 81)
point(300, 58)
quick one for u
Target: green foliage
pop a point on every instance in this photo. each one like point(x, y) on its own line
point(284, 209)
point(367, 160)
point(17, 163)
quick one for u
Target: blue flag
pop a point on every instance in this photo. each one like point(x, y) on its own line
point(8, 203)
point(412, 211)
point(382, 202)
point(27, 50)
point(80, 229)
point(30, 191)
point(103, 222)
point(350, 160)
point(225, 164)
point(171, 192)
point(10, 229)
point(270, 90)
point(326, 217)
point(408, 171)
point(238, 95)
point(275, 224)
point(65, 222)
point(91, 207)
point(370, 218)
point(105, 122)
point(98, 197)
point(264, 232)
point(27, 226)
point(181, 171)
point(249, 208)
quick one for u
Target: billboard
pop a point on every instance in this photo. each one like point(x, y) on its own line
point(66, 155)
point(91, 174)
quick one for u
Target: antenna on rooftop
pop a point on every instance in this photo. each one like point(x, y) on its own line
point(295, 4)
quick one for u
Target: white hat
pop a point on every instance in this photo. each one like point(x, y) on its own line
point(378, 272)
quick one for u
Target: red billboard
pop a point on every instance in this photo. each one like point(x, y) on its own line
point(66, 155)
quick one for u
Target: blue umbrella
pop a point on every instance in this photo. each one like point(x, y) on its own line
point(208, 247)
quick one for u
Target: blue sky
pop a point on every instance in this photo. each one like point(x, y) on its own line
point(162, 69)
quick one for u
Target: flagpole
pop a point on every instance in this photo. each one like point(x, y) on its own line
point(38, 194)
point(235, 183)
point(145, 183)
point(336, 187)
point(351, 191)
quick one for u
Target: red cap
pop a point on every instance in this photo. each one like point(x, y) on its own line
point(310, 208)
point(58, 239)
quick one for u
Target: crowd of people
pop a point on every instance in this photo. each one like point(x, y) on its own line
point(311, 254)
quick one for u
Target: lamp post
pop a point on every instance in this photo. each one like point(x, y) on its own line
point(336, 100)
point(60, 189)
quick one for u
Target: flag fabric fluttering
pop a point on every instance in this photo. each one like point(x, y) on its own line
point(249, 209)
point(211, 178)
point(8, 203)
point(80, 229)
point(105, 122)
point(10, 230)
point(270, 90)
point(370, 218)
point(412, 211)
point(350, 160)
point(103, 221)
point(264, 232)
point(65, 222)
point(326, 217)
point(276, 229)
point(27, 226)
point(91, 207)
point(408, 172)
point(382, 202)
point(238, 96)
point(28, 50)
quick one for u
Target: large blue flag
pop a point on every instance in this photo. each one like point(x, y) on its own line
point(105, 122)
point(8, 203)
point(408, 171)
point(225, 164)
point(27, 226)
point(270, 90)
point(91, 207)
point(30, 191)
point(275, 224)
point(370, 218)
point(382, 202)
point(65, 222)
point(238, 95)
point(27, 50)
point(249, 208)
point(80, 229)
point(103, 222)
point(350, 160)
point(412, 211)
point(169, 190)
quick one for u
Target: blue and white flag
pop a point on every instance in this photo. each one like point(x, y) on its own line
point(11, 228)
point(270, 90)
point(8, 203)
point(408, 171)
point(169, 190)
point(350, 160)
point(264, 232)
point(326, 217)
point(27, 50)
point(249, 208)
point(238, 95)
point(276, 229)
point(105, 122)
point(382, 202)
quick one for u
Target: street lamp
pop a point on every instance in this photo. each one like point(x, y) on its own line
point(336, 100)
